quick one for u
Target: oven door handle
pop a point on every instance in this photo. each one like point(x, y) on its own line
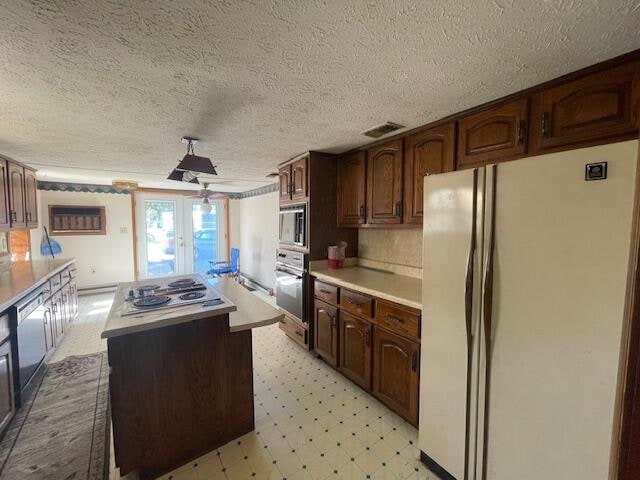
point(298, 275)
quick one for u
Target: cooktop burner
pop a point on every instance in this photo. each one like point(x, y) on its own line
point(187, 282)
point(148, 302)
point(191, 295)
point(148, 288)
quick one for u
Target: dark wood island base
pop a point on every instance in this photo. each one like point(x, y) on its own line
point(178, 392)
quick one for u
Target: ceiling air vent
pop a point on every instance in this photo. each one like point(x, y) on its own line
point(378, 132)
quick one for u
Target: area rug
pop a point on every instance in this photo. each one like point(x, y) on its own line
point(62, 430)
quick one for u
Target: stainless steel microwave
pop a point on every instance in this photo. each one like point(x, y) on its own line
point(293, 223)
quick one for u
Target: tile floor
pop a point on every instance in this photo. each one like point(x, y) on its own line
point(311, 423)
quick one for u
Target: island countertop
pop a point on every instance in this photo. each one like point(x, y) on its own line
point(245, 311)
point(23, 277)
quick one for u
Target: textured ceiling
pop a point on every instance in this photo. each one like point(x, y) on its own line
point(96, 90)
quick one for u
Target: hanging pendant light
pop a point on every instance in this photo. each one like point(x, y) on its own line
point(205, 206)
point(192, 165)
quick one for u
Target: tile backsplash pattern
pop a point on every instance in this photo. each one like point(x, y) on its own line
point(393, 246)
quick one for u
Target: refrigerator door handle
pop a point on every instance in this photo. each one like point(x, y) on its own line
point(468, 284)
point(487, 289)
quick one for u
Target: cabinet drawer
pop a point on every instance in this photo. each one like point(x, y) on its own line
point(398, 319)
point(295, 331)
point(326, 292)
point(357, 303)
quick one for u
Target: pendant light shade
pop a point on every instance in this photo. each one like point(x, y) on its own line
point(197, 164)
point(179, 176)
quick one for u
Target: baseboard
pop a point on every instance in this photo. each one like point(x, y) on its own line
point(434, 467)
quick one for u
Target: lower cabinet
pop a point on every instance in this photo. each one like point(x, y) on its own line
point(325, 336)
point(395, 373)
point(355, 349)
point(380, 353)
point(7, 405)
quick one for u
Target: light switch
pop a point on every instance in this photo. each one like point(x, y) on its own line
point(124, 229)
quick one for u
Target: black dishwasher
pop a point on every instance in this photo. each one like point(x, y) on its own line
point(32, 319)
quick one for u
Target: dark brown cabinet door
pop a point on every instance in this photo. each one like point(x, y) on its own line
point(355, 349)
point(426, 152)
point(285, 183)
point(299, 179)
point(351, 189)
point(499, 133)
point(31, 199)
point(16, 195)
point(395, 373)
point(326, 331)
point(599, 107)
point(7, 407)
point(5, 221)
point(384, 183)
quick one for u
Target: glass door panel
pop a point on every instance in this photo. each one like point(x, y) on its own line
point(160, 241)
point(204, 236)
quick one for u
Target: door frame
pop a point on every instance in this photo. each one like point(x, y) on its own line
point(163, 191)
point(626, 429)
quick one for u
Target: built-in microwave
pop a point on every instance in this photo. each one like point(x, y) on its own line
point(293, 223)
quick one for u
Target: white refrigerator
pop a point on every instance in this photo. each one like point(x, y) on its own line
point(524, 275)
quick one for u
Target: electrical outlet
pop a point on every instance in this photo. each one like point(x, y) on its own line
point(92, 270)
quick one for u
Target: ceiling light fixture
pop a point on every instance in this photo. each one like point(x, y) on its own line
point(192, 165)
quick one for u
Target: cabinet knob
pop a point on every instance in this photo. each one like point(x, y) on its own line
point(414, 361)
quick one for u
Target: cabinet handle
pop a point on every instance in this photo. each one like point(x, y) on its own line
point(521, 126)
point(414, 361)
point(356, 304)
point(545, 124)
point(14, 216)
point(395, 318)
point(334, 323)
point(299, 333)
point(367, 338)
point(361, 219)
point(326, 292)
point(53, 307)
point(398, 209)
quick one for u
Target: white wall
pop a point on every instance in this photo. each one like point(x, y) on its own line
point(254, 230)
point(101, 259)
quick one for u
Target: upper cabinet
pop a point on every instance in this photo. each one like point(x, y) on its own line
point(498, 133)
point(426, 152)
point(16, 195)
point(30, 197)
point(384, 183)
point(285, 182)
point(5, 219)
point(351, 189)
point(600, 107)
point(299, 179)
point(293, 181)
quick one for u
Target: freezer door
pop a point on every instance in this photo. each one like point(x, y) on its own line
point(451, 263)
point(559, 276)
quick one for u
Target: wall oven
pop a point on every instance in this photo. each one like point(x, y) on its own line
point(291, 283)
point(293, 224)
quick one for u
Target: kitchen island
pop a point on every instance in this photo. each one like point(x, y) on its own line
point(181, 381)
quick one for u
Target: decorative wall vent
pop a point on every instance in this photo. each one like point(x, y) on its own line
point(385, 129)
point(77, 220)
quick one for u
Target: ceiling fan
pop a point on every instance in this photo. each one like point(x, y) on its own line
point(206, 195)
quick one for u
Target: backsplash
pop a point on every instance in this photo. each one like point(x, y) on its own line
point(394, 249)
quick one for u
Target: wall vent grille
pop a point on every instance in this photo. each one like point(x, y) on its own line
point(382, 130)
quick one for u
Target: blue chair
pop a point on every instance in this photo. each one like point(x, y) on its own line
point(231, 267)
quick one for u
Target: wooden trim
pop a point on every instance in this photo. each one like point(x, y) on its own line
point(134, 233)
point(225, 203)
point(625, 448)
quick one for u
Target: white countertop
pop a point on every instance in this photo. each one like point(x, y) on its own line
point(20, 278)
point(245, 311)
point(386, 285)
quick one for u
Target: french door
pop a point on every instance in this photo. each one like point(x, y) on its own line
point(177, 235)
